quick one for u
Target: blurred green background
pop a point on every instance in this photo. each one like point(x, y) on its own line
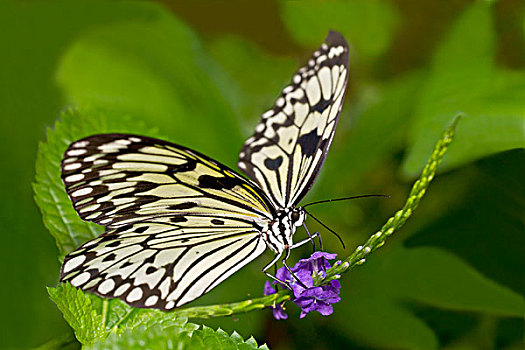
point(200, 73)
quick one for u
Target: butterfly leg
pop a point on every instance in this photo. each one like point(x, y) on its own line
point(275, 274)
point(309, 236)
point(289, 269)
point(274, 262)
point(287, 254)
point(309, 239)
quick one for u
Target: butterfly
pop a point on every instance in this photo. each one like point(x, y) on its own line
point(178, 223)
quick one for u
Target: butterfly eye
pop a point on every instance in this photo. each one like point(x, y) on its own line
point(295, 216)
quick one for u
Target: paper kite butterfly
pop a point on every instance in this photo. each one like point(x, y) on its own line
point(177, 222)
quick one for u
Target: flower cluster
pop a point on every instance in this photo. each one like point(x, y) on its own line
point(306, 296)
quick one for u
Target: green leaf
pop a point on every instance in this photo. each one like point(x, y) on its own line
point(379, 126)
point(465, 78)
point(367, 25)
point(136, 318)
point(221, 340)
point(430, 276)
point(79, 312)
point(453, 283)
point(492, 197)
point(159, 71)
point(151, 338)
point(255, 90)
point(157, 337)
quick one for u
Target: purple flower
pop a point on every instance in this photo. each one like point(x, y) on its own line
point(308, 297)
point(278, 311)
point(319, 299)
point(284, 275)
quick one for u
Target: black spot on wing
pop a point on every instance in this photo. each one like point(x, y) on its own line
point(190, 165)
point(309, 142)
point(141, 229)
point(176, 219)
point(322, 105)
point(217, 221)
point(124, 228)
point(109, 257)
point(113, 244)
point(218, 182)
point(273, 164)
point(182, 206)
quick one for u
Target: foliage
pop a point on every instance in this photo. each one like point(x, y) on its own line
point(94, 320)
point(156, 337)
point(79, 312)
point(97, 321)
point(451, 278)
point(464, 77)
point(359, 21)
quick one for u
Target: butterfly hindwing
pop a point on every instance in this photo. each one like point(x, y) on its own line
point(163, 263)
point(177, 223)
point(290, 143)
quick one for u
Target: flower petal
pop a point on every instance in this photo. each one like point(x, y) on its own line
point(268, 289)
point(278, 313)
point(318, 255)
point(324, 309)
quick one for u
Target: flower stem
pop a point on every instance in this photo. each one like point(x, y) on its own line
point(233, 308)
point(419, 188)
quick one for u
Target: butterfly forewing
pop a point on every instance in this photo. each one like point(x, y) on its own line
point(290, 143)
point(119, 179)
point(178, 223)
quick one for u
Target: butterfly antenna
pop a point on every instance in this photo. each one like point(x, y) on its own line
point(346, 198)
point(328, 228)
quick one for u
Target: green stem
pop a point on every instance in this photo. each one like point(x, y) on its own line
point(127, 316)
point(419, 188)
point(105, 304)
point(228, 309)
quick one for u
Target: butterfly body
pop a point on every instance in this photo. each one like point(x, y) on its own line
point(282, 228)
point(178, 223)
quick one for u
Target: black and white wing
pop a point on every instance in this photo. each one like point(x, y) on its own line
point(177, 223)
point(290, 143)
